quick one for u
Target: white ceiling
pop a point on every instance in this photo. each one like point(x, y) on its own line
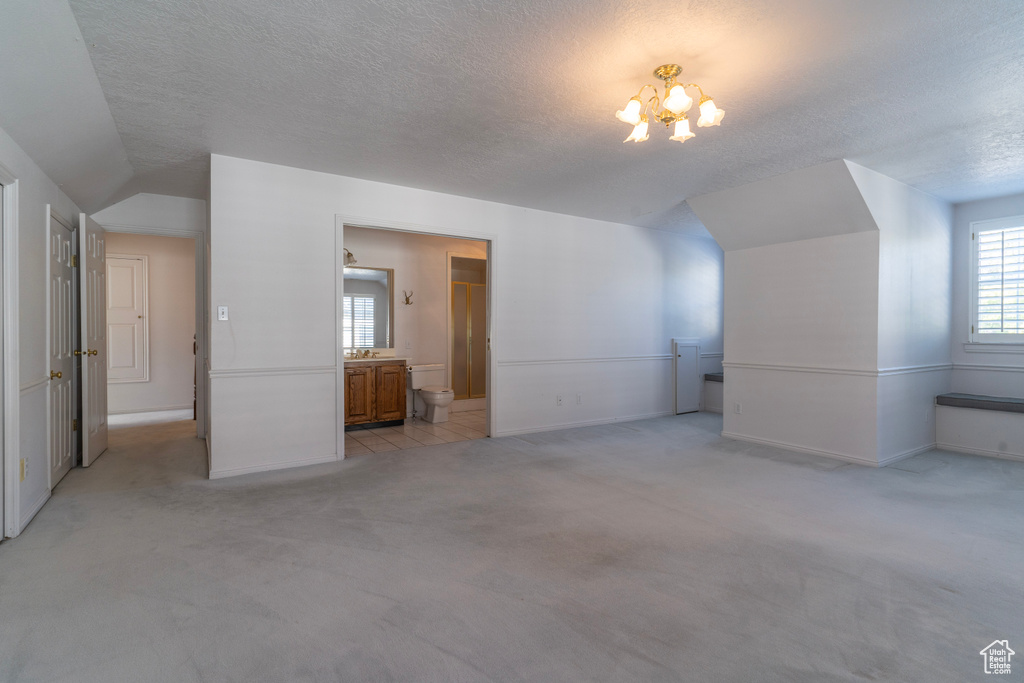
point(514, 100)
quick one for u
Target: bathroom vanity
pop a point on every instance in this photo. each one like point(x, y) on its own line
point(374, 392)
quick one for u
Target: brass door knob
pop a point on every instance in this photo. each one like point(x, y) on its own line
point(55, 375)
point(92, 352)
point(77, 352)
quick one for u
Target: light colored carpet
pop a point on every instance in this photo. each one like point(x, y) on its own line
point(644, 551)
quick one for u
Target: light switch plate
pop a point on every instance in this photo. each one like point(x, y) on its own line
point(222, 313)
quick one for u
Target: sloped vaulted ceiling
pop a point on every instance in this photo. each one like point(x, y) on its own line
point(513, 101)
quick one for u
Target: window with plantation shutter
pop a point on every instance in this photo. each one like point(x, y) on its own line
point(358, 322)
point(998, 300)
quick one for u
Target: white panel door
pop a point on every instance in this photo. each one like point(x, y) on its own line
point(687, 366)
point(94, 339)
point(127, 328)
point(61, 325)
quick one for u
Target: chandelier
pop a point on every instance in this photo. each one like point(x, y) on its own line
point(670, 110)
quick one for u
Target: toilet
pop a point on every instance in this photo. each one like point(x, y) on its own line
point(428, 382)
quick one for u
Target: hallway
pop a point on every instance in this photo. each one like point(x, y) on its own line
point(621, 552)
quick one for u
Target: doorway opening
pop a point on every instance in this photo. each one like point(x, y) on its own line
point(419, 319)
point(467, 338)
point(151, 329)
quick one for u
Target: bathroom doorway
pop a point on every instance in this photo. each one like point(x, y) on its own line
point(468, 342)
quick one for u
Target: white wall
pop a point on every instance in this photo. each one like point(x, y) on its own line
point(35, 191)
point(914, 309)
point(837, 311)
point(980, 368)
point(155, 211)
point(171, 315)
point(801, 325)
point(579, 306)
point(420, 263)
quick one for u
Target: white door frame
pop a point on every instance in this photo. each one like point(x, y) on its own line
point(199, 236)
point(340, 221)
point(11, 394)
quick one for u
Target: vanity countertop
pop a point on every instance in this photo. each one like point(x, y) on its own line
point(379, 359)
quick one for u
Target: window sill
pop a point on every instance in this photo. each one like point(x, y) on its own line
point(1000, 347)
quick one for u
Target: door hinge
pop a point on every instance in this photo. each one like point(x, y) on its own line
point(74, 260)
point(972, 329)
point(74, 425)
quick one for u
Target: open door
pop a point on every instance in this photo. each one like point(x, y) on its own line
point(93, 289)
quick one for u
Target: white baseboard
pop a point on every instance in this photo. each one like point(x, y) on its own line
point(165, 409)
point(30, 515)
point(467, 404)
point(119, 420)
point(582, 423)
point(707, 409)
point(885, 462)
point(801, 449)
point(980, 451)
point(238, 471)
point(830, 454)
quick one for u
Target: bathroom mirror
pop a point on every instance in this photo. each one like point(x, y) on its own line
point(368, 309)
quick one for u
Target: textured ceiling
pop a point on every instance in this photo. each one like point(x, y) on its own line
point(513, 100)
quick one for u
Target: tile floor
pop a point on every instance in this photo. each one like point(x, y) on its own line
point(414, 433)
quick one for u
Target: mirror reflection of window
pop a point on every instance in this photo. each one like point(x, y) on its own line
point(358, 322)
point(367, 308)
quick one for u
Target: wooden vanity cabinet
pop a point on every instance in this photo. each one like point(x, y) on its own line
point(374, 392)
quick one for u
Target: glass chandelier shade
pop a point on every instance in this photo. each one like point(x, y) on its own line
point(669, 109)
point(710, 115)
point(631, 112)
point(682, 131)
point(639, 133)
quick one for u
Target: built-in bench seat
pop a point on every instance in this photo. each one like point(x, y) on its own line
point(994, 425)
point(713, 391)
point(979, 402)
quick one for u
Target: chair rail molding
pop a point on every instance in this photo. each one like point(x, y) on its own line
point(599, 359)
point(827, 370)
point(268, 372)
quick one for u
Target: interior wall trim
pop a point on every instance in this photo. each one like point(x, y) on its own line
point(970, 347)
point(155, 411)
point(913, 369)
point(32, 510)
point(801, 449)
point(582, 423)
point(712, 355)
point(266, 372)
point(977, 367)
point(824, 370)
point(11, 399)
point(606, 359)
point(959, 448)
point(32, 386)
point(235, 471)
